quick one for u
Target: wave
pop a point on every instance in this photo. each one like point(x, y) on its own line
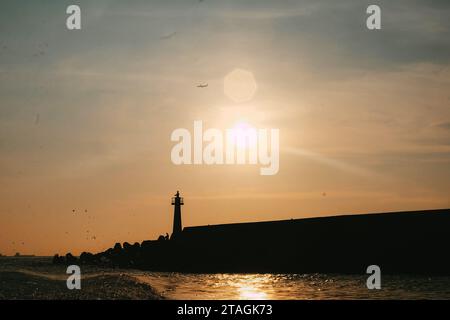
point(26, 284)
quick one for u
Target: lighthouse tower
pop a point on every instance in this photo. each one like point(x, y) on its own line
point(177, 202)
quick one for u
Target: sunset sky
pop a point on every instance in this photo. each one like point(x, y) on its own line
point(86, 116)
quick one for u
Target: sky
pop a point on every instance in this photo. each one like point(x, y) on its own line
point(86, 115)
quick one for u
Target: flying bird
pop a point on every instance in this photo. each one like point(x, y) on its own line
point(168, 36)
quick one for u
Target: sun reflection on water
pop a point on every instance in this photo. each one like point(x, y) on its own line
point(251, 293)
point(290, 286)
point(251, 287)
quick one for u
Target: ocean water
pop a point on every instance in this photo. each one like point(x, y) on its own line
point(37, 278)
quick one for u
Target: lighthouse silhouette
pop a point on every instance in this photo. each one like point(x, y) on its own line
point(177, 202)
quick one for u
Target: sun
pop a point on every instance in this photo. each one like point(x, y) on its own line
point(244, 134)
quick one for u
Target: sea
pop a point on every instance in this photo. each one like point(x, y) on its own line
point(38, 278)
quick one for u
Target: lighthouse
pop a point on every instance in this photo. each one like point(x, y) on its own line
point(177, 202)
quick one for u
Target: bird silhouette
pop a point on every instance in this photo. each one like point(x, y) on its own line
point(168, 36)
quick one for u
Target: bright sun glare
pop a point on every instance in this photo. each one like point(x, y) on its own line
point(241, 132)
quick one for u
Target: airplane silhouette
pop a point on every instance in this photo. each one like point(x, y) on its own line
point(202, 85)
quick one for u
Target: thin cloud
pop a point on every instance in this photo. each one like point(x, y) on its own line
point(340, 165)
